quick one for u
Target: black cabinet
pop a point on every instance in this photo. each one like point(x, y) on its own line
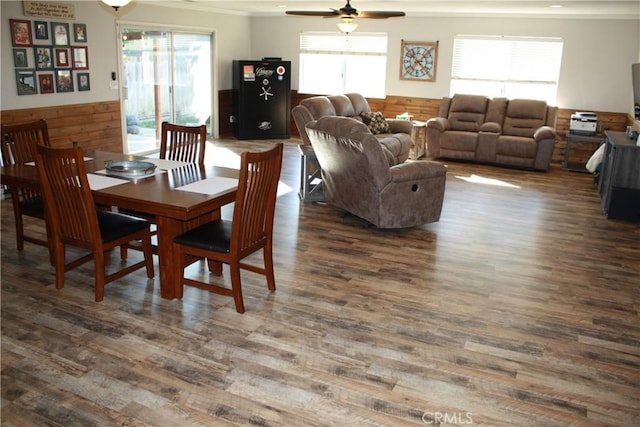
point(619, 184)
point(262, 104)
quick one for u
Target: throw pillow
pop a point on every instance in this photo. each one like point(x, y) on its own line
point(376, 122)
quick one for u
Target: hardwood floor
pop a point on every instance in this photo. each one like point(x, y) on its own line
point(520, 307)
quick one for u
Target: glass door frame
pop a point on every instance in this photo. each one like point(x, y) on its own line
point(214, 108)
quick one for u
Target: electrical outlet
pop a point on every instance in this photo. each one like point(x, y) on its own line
point(232, 119)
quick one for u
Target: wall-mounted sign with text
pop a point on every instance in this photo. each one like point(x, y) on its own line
point(49, 9)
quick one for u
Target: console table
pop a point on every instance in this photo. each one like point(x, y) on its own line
point(619, 184)
point(592, 142)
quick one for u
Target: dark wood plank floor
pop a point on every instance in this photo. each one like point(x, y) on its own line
point(519, 308)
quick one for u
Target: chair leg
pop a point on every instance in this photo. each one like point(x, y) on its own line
point(236, 287)
point(19, 228)
point(268, 266)
point(99, 265)
point(59, 250)
point(147, 249)
point(124, 252)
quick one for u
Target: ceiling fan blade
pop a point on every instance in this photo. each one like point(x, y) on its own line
point(380, 15)
point(327, 14)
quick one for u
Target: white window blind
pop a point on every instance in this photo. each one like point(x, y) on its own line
point(332, 63)
point(512, 67)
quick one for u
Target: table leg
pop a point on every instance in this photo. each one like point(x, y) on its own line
point(169, 261)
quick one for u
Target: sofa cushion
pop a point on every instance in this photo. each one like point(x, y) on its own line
point(342, 105)
point(523, 117)
point(376, 122)
point(467, 112)
point(319, 106)
point(359, 102)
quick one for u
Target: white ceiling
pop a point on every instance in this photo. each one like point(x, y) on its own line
point(596, 9)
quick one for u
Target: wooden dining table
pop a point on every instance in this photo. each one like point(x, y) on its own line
point(159, 195)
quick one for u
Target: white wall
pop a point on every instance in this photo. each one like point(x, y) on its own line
point(232, 41)
point(595, 75)
point(596, 66)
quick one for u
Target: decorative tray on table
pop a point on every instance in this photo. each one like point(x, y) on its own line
point(129, 168)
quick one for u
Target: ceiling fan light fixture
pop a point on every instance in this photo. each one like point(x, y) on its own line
point(116, 3)
point(347, 25)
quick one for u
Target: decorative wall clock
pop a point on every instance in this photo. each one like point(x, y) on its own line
point(418, 61)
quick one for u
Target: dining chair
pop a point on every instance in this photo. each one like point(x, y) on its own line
point(183, 143)
point(249, 230)
point(180, 143)
point(74, 219)
point(18, 142)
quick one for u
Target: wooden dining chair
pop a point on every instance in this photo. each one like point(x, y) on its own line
point(180, 143)
point(18, 143)
point(183, 143)
point(250, 229)
point(74, 219)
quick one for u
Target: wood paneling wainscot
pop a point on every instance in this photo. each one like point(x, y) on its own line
point(95, 125)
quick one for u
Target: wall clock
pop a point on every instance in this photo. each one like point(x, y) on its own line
point(418, 61)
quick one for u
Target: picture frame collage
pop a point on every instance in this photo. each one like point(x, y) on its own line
point(50, 56)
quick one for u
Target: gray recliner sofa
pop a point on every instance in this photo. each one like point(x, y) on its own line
point(396, 142)
point(358, 179)
point(518, 133)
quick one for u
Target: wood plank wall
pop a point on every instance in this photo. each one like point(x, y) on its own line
point(98, 125)
point(95, 125)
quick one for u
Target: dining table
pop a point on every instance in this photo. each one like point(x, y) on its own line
point(179, 195)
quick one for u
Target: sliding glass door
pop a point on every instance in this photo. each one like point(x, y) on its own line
point(166, 76)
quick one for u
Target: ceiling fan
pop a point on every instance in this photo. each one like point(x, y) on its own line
point(347, 14)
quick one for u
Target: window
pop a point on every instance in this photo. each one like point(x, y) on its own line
point(333, 64)
point(511, 67)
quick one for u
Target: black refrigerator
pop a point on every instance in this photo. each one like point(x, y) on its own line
point(262, 104)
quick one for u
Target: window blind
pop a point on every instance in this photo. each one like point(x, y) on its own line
point(511, 66)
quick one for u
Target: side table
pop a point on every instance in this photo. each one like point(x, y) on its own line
point(418, 140)
point(310, 175)
point(574, 164)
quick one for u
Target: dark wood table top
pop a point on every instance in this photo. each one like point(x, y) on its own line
point(154, 195)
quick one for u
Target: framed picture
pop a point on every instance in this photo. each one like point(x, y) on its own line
point(46, 83)
point(44, 57)
point(83, 81)
point(20, 32)
point(42, 30)
point(64, 81)
point(79, 33)
point(26, 82)
point(80, 57)
point(60, 33)
point(62, 57)
point(20, 58)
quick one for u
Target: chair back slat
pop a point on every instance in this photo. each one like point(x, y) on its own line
point(183, 143)
point(19, 141)
point(67, 195)
point(255, 200)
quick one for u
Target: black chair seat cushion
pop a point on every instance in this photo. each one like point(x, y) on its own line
point(213, 236)
point(114, 225)
point(33, 207)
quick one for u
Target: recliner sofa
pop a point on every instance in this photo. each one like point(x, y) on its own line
point(357, 177)
point(517, 133)
point(396, 142)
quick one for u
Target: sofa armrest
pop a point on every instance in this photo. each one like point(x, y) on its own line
point(440, 124)
point(399, 126)
point(492, 127)
point(544, 132)
point(412, 171)
point(301, 117)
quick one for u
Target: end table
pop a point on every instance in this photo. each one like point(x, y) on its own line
point(592, 142)
point(418, 140)
point(310, 175)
